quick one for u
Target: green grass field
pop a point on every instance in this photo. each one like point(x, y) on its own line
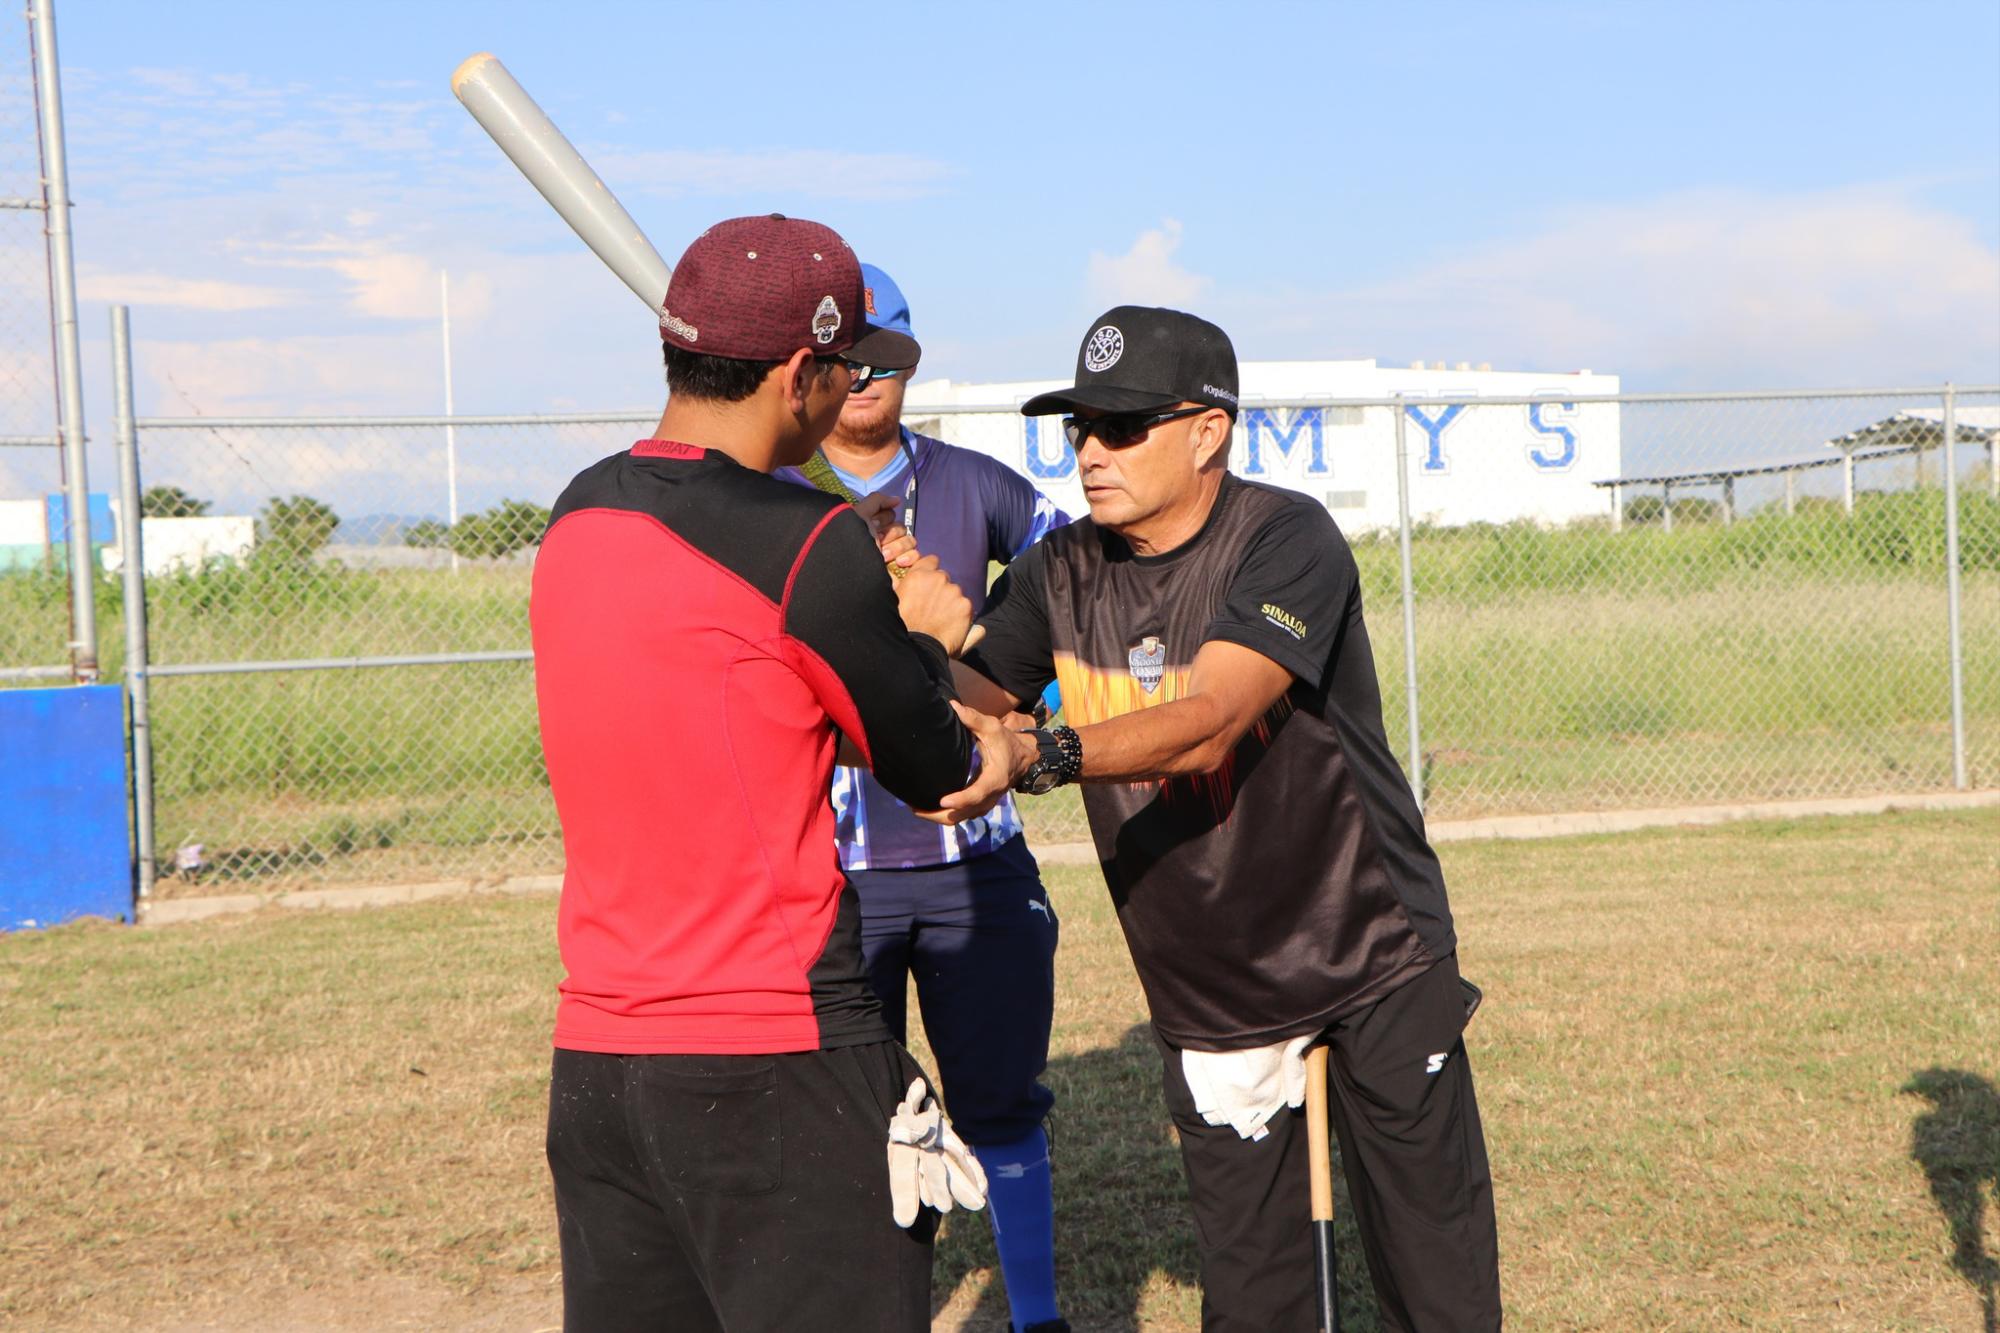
point(1574, 669)
point(1738, 1078)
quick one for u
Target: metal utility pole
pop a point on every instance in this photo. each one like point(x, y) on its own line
point(69, 357)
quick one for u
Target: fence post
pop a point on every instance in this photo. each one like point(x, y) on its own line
point(132, 549)
point(1409, 606)
point(1953, 627)
point(69, 365)
point(450, 432)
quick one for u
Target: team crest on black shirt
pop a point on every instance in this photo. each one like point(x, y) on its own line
point(1148, 662)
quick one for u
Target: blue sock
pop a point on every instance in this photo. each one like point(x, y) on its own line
point(1022, 1210)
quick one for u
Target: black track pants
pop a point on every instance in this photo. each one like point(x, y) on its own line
point(698, 1192)
point(1404, 1113)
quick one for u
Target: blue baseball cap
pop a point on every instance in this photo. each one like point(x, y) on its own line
point(882, 301)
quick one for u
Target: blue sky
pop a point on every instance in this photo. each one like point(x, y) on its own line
point(1690, 195)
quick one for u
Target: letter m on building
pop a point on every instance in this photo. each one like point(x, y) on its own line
point(1284, 429)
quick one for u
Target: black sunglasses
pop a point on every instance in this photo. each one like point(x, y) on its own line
point(860, 377)
point(1121, 430)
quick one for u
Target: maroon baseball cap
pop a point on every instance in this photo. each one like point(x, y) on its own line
point(760, 288)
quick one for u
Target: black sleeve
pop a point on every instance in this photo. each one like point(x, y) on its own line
point(886, 689)
point(1289, 597)
point(1015, 654)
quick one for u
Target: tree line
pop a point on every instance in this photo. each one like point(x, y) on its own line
point(296, 526)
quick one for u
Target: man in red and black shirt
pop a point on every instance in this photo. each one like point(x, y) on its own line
point(723, 1080)
point(1264, 852)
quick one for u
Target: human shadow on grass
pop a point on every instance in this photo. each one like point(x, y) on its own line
point(1957, 1142)
point(1122, 1214)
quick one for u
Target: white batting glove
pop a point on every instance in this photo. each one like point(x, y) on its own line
point(929, 1165)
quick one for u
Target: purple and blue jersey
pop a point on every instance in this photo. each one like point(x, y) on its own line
point(968, 510)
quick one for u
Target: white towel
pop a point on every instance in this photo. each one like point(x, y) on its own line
point(1244, 1089)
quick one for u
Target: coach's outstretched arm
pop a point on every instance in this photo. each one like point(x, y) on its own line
point(879, 658)
point(1230, 686)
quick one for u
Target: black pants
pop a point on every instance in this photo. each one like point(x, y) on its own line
point(1403, 1109)
point(980, 938)
point(739, 1192)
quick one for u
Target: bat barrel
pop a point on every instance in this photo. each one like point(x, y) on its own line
point(552, 164)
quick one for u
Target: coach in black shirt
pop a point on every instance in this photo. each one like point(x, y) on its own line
point(1265, 853)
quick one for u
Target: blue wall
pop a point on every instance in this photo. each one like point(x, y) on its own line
point(65, 847)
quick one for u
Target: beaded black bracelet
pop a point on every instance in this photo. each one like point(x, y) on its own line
point(1071, 746)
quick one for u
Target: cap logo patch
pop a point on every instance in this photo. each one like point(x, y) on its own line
point(679, 327)
point(868, 299)
point(826, 321)
point(1148, 661)
point(1101, 353)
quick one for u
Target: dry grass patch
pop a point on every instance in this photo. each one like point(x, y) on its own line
point(1733, 1078)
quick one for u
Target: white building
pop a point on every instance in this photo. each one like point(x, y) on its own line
point(1300, 428)
point(171, 543)
point(188, 545)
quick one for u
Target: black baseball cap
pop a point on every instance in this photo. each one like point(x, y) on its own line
point(1144, 359)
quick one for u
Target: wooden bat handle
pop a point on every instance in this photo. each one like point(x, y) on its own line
point(1319, 1149)
point(1319, 1158)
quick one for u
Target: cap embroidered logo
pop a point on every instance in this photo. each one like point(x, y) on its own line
point(1149, 660)
point(679, 327)
point(1105, 347)
point(868, 299)
point(826, 321)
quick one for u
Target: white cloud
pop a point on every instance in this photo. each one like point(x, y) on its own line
point(382, 281)
point(1710, 288)
point(1146, 274)
point(804, 172)
point(357, 469)
point(160, 289)
point(175, 83)
point(389, 286)
point(309, 374)
point(27, 377)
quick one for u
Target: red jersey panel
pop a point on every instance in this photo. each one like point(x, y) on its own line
point(700, 632)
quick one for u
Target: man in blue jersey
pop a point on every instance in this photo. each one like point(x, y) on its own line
point(961, 908)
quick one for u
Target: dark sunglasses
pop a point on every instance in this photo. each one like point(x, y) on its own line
point(1121, 430)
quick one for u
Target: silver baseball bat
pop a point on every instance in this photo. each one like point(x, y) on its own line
point(552, 165)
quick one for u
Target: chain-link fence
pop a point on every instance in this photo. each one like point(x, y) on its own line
point(1640, 601)
point(1648, 600)
point(34, 595)
point(1739, 633)
point(342, 686)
